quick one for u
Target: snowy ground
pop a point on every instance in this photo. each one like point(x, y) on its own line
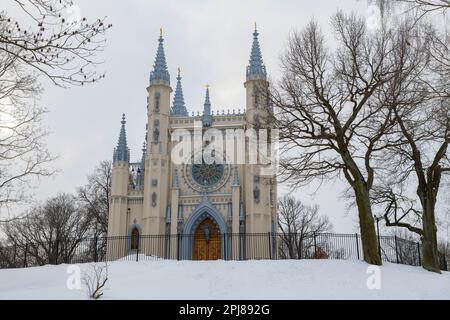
point(305, 279)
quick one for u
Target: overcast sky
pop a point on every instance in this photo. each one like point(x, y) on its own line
point(210, 41)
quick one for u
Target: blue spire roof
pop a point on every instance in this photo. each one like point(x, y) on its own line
point(207, 118)
point(160, 74)
point(256, 69)
point(121, 152)
point(179, 107)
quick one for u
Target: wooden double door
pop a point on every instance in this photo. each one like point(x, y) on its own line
point(207, 241)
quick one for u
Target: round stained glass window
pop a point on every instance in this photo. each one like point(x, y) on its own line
point(207, 174)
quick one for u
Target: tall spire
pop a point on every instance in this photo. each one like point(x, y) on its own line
point(178, 106)
point(160, 74)
point(207, 104)
point(121, 152)
point(256, 69)
point(207, 118)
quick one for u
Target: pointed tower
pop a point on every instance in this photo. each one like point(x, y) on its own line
point(122, 152)
point(160, 74)
point(256, 69)
point(178, 105)
point(207, 118)
point(119, 185)
point(256, 86)
point(156, 181)
point(257, 187)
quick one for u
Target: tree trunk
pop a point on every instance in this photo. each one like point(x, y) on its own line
point(367, 224)
point(429, 238)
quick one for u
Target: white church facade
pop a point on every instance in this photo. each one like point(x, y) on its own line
point(193, 210)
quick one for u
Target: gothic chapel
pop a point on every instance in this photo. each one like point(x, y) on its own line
point(192, 211)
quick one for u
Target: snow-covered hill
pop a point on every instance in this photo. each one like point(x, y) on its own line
point(305, 279)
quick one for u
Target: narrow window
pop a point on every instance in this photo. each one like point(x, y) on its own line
point(157, 101)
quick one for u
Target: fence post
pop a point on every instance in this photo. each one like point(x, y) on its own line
point(300, 254)
point(137, 248)
point(396, 249)
point(418, 251)
point(57, 251)
point(25, 256)
point(315, 245)
point(270, 247)
point(378, 236)
point(95, 249)
point(178, 246)
point(166, 246)
point(244, 246)
point(241, 247)
point(14, 255)
point(224, 247)
point(357, 245)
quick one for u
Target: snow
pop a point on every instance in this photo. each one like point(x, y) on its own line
point(241, 280)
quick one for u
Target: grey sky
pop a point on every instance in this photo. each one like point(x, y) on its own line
point(210, 41)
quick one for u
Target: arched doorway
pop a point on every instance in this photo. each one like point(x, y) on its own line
point(207, 241)
point(134, 238)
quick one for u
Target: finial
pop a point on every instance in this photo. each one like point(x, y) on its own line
point(207, 86)
point(255, 26)
point(121, 152)
point(160, 74)
point(256, 68)
point(179, 106)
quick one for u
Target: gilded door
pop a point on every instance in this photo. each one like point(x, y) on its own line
point(207, 243)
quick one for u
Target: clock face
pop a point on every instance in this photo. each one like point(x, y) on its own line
point(207, 175)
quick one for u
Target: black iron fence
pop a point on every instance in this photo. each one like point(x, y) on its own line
point(225, 247)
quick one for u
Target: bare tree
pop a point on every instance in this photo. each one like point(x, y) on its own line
point(51, 42)
point(50, 233)
point(95, 195)
point(95, 279)
point(56, 43)
point(297, 224)
point(331, 108)
point(421, 112)
point(23, 154)
point(428, 6)
point(422, 7)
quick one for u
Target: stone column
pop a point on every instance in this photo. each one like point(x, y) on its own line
point(174, 223)
point(236, 200)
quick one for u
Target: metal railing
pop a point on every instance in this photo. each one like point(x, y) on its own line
point(255, 246)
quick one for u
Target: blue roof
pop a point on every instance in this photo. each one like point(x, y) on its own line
point(207, 118)
point(121, 152)
point(256, 68)
point(160, 74)
point(178, 106)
